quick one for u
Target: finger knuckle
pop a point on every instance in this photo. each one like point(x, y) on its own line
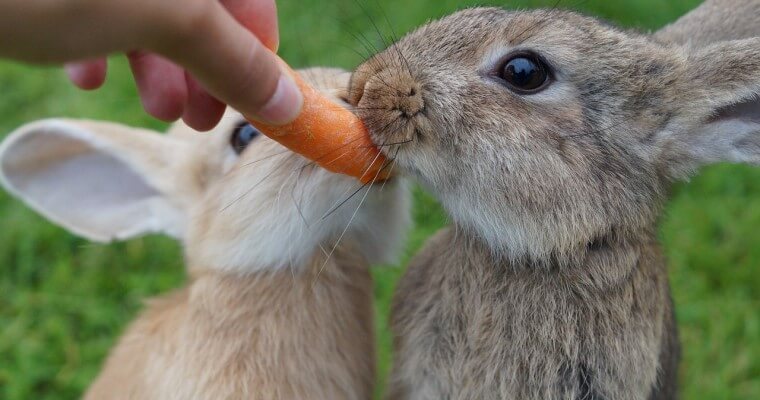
point(183, 27)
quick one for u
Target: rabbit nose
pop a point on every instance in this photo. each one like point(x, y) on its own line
point(410, 101)
point(391, 91)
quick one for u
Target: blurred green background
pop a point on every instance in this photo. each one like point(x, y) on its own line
point(63, 301)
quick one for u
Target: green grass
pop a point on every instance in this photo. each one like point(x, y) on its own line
point(63, 301)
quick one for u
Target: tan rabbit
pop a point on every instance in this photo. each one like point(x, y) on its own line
point(279, 299)
point(552, 140)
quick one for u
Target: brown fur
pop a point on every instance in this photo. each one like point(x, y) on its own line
point(550, 284)
point(270, 335)
point(469, 327)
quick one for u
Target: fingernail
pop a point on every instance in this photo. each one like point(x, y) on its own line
point(285, 104)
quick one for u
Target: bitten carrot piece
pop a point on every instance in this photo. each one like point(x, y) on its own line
point(331, 136)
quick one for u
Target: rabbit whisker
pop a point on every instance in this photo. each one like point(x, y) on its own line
point(371, 49)
point(248, 164)
point(332, 151)
point(333, 208)
point(372, 22)
point(296, 204)
point(394, 38)
point(353, 216)
point(382, 38)
point(249, 191)
point(290, 247)
point(395, 143)
point(299, 208)
point(368, 46)
point(393, 165)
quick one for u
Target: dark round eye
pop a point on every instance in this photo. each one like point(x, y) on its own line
point(242, 136)
point(525, 73)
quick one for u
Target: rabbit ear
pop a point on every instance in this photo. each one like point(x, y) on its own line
point(99, 180)
point(714, 21)
point(721, 116)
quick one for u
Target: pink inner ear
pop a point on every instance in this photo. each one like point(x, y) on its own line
point(86, 190)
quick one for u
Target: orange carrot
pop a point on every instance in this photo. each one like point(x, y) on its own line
point(331, 136)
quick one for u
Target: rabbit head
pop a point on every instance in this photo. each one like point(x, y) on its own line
point(545, 133)
point(236, 199)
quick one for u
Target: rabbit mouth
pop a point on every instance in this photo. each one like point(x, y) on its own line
point(394, 132)
point(393, 145)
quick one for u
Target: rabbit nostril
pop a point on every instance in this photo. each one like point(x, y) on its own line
point(410, 112)
point(388, 91)
point(411, 103)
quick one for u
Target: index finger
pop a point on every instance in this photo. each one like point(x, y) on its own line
point(234, 66)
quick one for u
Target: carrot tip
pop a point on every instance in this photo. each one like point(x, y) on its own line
point(331, 136)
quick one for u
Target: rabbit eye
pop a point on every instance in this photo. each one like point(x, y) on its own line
point(525, 73)
point(242, 136)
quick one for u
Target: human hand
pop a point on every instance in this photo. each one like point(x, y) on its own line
point(184, 55)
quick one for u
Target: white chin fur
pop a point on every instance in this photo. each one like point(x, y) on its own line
point(283, 223)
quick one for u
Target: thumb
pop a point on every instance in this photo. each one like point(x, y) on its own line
point(235, 67)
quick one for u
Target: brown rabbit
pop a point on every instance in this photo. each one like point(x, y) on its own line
point(277, 307)
point(552, 140)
